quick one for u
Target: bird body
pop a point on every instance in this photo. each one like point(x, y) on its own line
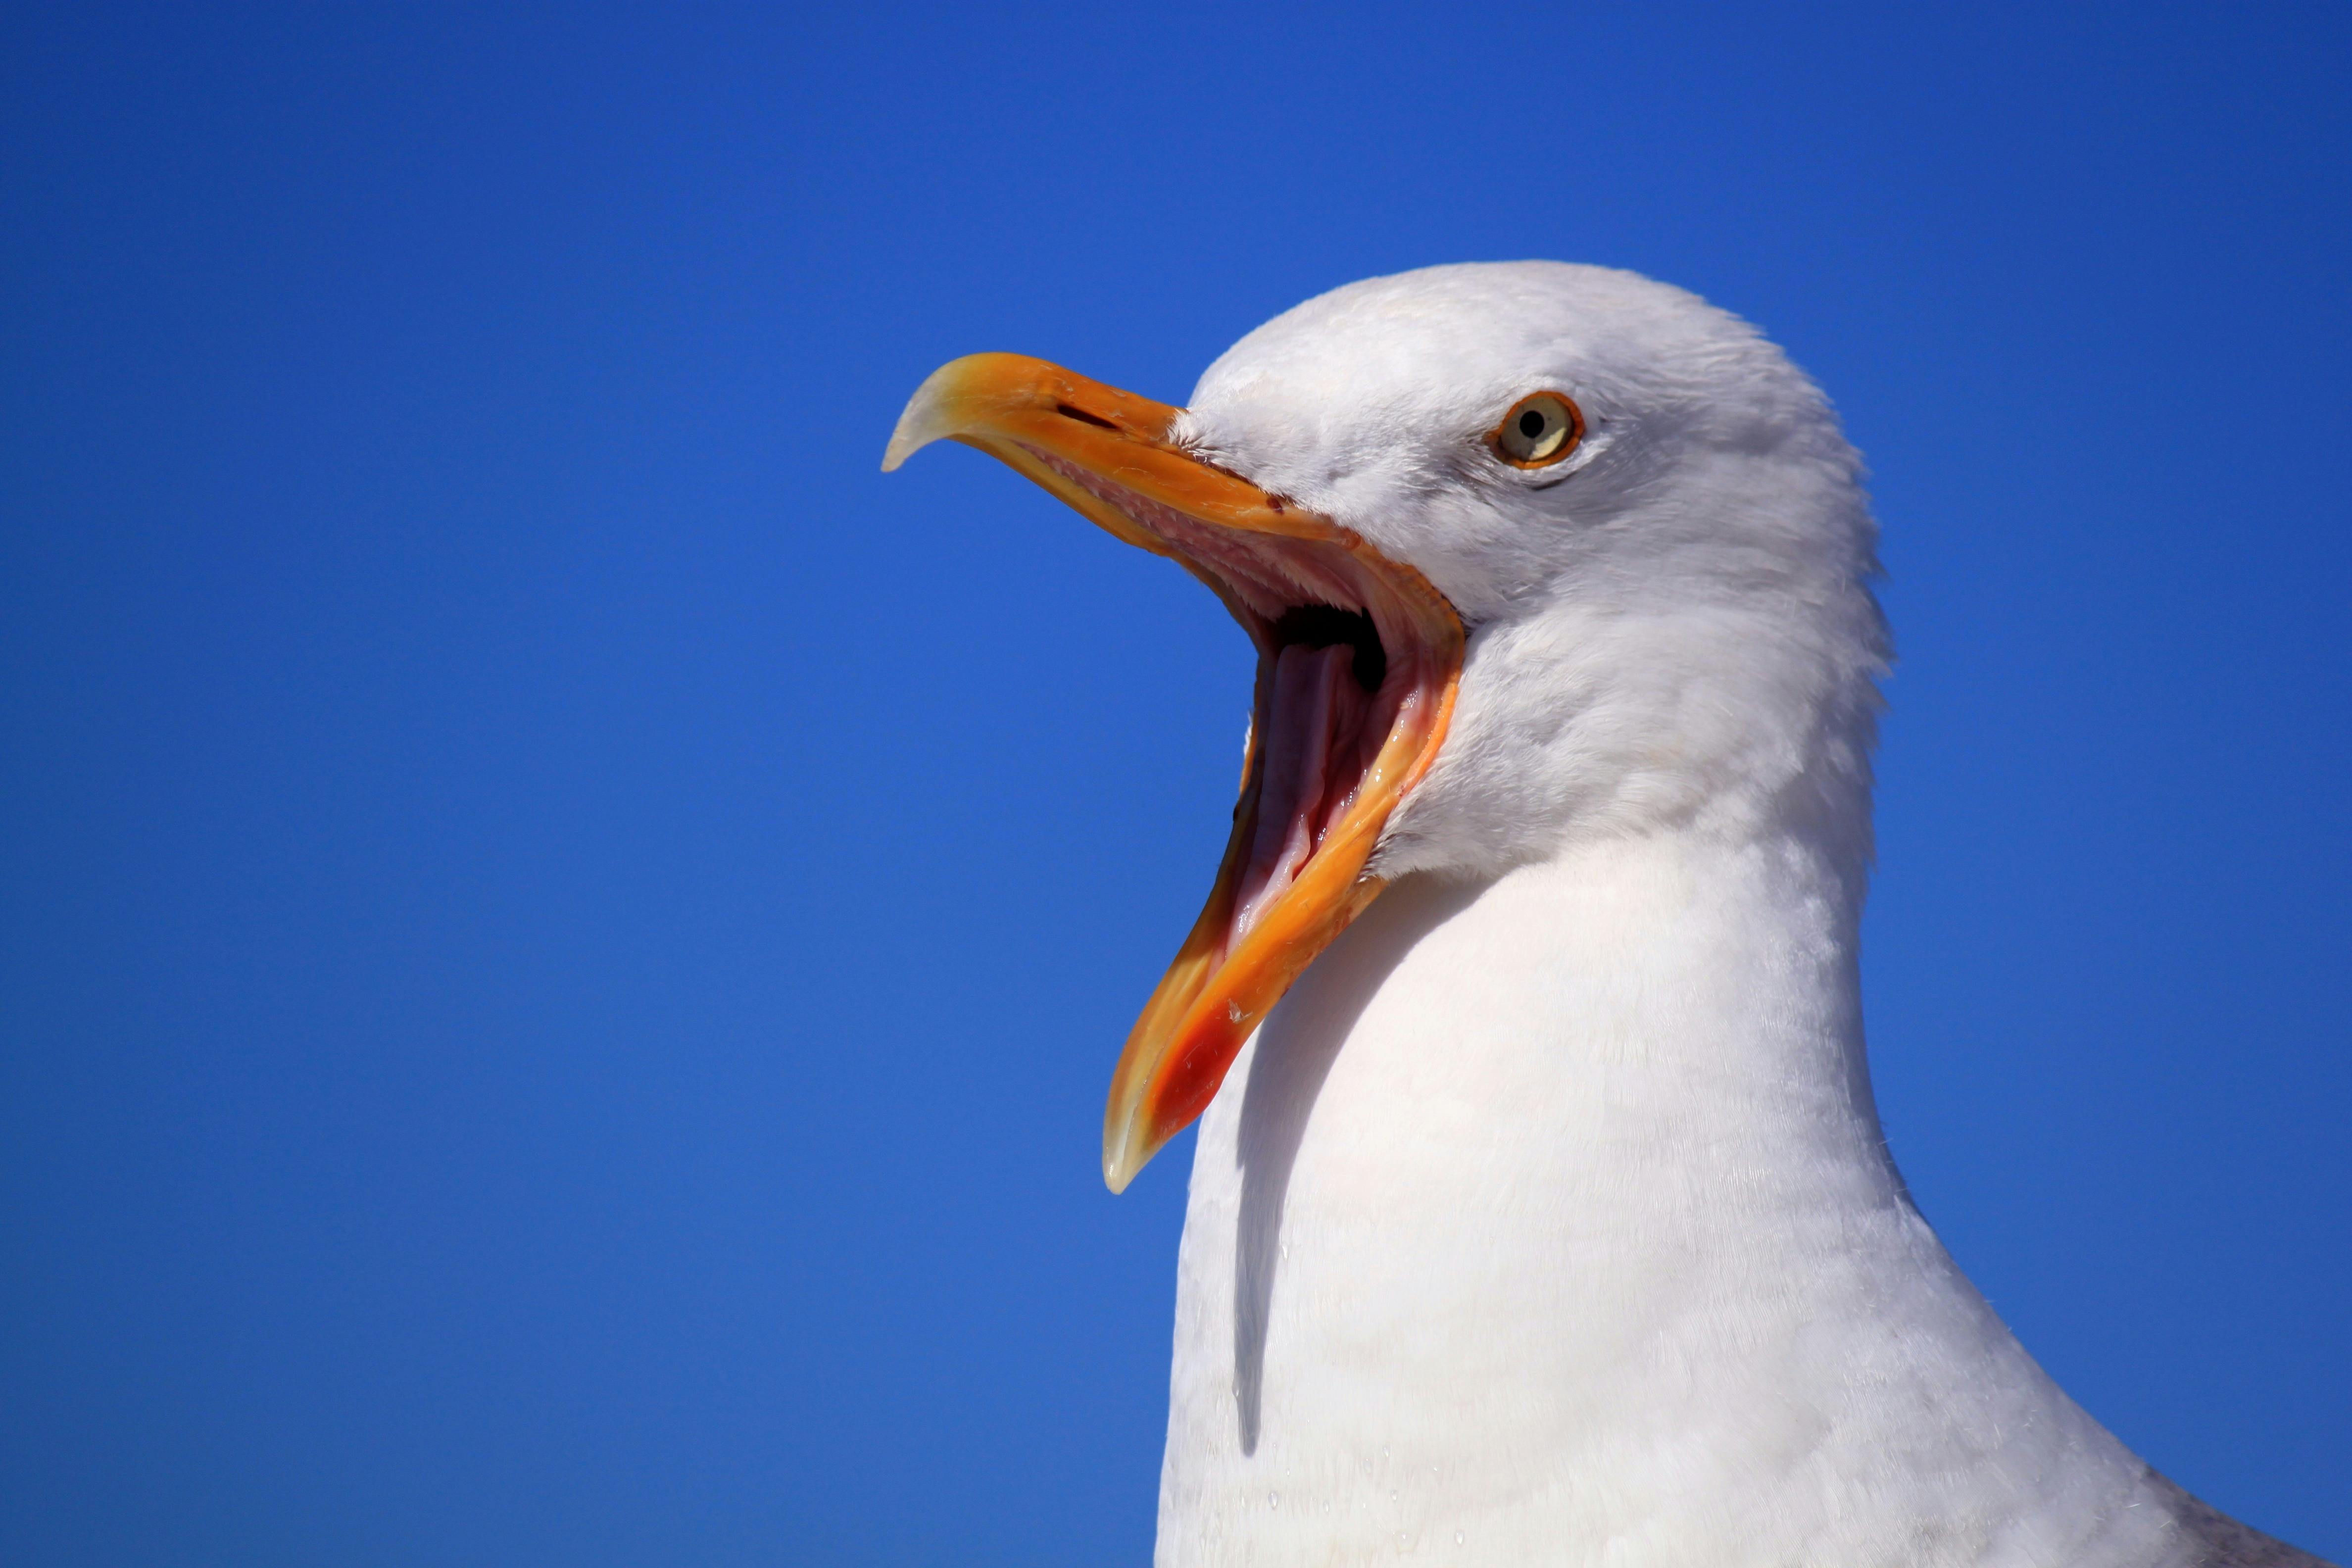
point(1542, 1213)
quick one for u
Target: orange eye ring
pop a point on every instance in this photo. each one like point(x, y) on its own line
point(1540, 429)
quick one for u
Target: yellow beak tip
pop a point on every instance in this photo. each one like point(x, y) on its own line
point(1120, 1157)
point(941, 407)
point(905, 442)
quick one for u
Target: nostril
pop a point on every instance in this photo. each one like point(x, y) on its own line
point(1070, 411)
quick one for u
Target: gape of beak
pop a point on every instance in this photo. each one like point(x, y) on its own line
point(1358, 659)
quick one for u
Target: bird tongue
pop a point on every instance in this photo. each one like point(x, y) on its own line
point(1315, 758)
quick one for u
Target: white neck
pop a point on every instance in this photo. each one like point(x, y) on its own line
point(1549, 1220)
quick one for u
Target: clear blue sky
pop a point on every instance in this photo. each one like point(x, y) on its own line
point(565, 938)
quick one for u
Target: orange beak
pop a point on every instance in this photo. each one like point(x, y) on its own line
point(1359, 657)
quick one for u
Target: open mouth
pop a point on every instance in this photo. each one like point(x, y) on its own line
point(1357, 660)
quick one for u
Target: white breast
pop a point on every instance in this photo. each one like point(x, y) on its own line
point(1550, 1222)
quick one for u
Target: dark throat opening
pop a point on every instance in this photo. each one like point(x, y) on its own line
point(1328, 625)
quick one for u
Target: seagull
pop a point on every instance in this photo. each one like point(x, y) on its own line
point(1540, 1211)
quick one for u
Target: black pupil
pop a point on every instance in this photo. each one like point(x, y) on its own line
point(1532, 423)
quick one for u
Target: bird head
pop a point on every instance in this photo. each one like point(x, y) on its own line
point(1530, 552)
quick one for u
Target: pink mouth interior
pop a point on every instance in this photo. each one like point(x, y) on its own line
point(1339, 670)
point(1319, 745)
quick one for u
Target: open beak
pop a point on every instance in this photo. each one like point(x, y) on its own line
point(1358, 661)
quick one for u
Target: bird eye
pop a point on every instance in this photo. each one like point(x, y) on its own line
point(1540, 428)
